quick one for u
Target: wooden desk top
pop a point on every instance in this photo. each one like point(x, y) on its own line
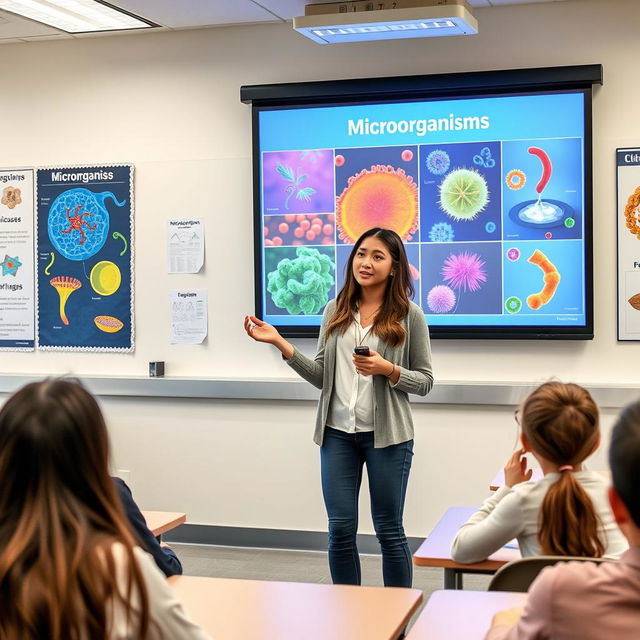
point(435, 551)
point(461, 615)
point(262, 610)
point(498, 479)
point(160, 522)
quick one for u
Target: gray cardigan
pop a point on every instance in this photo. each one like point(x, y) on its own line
point(392, 421)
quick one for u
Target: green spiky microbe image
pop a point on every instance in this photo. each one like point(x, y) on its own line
point(302, 285)
point(463, 194)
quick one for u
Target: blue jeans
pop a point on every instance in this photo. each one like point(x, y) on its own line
point(342, 457)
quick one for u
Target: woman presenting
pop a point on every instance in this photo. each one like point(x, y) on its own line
point(373, 350)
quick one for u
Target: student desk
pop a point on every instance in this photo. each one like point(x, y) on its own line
point(435, 551)
point(160, 522)
point(461, 615)
point(263, 610)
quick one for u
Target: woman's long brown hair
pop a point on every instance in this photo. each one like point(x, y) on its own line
point(395, 305)
point(59, 519)
point(561, 423)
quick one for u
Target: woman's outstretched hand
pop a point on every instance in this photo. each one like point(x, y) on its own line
point(260, 331)
point(264, 332)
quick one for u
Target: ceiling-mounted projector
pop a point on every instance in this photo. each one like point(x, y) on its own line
point(364, 20)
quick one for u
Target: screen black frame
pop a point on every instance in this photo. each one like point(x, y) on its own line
point(435, 87)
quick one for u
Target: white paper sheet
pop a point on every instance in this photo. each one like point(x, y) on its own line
point(188, 310)
point(185, 245)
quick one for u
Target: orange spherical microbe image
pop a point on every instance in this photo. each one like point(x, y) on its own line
point(378, 197)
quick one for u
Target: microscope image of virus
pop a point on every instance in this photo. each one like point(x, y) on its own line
point(513, 254)
point(302, 284)
point(513, 304)
point(441, 232)
point(515, 179)
point(295, 177)
point(378, 197)
point(464, 271)
point(10, 265)
point(441, 299)
point(464, 194)
point(11, 197)
point(78, 223)
point(438, 162)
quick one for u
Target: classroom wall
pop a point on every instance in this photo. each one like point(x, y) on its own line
point(169, 103)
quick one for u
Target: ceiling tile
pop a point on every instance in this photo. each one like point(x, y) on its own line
point(502, 3)
point(13, 26)
point(289, 9)
point(196, 13)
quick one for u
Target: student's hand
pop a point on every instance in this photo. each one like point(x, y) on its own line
point(515, 471)
point(371, 365)
point(507, 618)
point(260, 331)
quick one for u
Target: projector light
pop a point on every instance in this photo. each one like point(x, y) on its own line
point(450, 19)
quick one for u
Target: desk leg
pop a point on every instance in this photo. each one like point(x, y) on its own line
point(453, 579)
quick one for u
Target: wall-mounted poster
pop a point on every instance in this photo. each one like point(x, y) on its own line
point(628, 223)
point(85, 258)
point(17, 332)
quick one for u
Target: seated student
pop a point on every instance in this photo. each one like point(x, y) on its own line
point(164, 556)
point(565, 513)
point(69, 564)
point(582, 599)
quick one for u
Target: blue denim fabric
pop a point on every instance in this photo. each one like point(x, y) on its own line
point(342, 457)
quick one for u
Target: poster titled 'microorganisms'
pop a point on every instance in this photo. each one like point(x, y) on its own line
point(84, 258)
point(17, 332)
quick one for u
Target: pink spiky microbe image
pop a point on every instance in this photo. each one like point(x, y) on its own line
point(464, 271)
point(441, 299)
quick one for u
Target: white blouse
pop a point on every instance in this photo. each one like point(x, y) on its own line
point(351, 406)
point(168, 618)
point(514, 512)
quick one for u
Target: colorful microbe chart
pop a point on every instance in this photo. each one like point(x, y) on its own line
point(486, 193)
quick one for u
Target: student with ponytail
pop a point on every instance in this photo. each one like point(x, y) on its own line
point(567, 512)
point(70, 568)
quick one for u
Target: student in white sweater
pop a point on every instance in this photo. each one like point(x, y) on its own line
point(69, 565)
point(567, 512)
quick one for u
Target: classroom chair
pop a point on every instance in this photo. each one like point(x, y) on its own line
point(519, 574)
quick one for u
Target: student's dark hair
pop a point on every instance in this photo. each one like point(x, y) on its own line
point(624, 459)
point(60, 516)
point(561, 422)
point(395, 305)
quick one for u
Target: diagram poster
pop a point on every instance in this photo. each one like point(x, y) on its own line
point(17, 306)
point(85, 258)
point(628, 222)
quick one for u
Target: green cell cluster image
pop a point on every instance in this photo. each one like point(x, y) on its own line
point(302, 284)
